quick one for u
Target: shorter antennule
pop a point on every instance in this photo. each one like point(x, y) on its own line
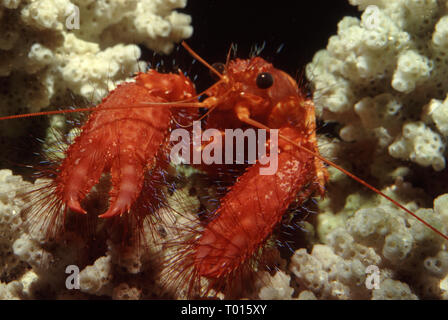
point(198, 57)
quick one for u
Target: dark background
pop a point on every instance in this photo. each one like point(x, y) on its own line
point(302, 26)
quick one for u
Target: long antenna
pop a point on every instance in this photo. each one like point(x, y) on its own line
point(90, 109)
point(351, 175)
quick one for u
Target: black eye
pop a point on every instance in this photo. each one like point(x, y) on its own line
point(220, 67)
point(264, 80)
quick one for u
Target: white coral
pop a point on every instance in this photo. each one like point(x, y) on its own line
point(383, 236)
point(10, 222)
point(396, 51)
point(412, 69)
point(436, 112)
point(11, 290)
point(383, 78)
point(41, 49)
point(328, 274)
point(277, 288)
point(95, 279)
point(393, 290)
point(421, 145)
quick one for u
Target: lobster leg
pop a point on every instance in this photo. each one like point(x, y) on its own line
point(250, 211)
point(81, 170)
point(137, 150)
point(123, 142)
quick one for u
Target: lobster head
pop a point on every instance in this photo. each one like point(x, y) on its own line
point(269, 94)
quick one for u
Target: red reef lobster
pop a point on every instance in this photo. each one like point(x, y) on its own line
point(130, 127)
